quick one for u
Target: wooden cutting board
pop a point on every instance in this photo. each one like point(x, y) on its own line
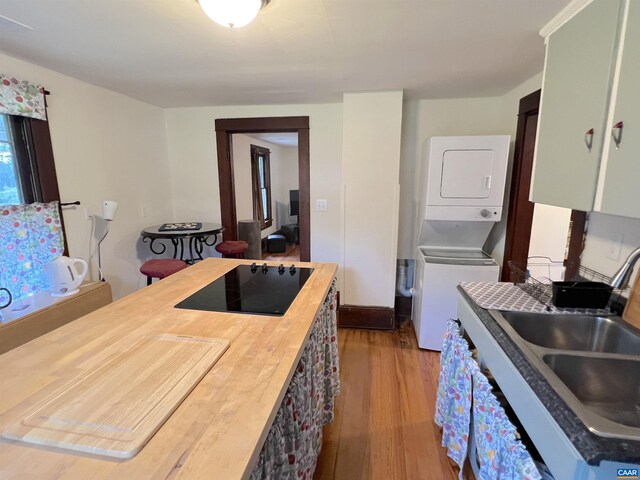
point(632, 310)
point(114, 409)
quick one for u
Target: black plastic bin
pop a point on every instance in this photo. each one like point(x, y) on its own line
point(581, 294)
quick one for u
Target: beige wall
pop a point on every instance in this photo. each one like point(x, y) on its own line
point(370, 166)
point(194, 170)
point(107, 147)
point(285, 174)
point(548, 241)
point(423, 119)
point(241, 153)
point(602, 231)
point(549, 231)
point(479, 116)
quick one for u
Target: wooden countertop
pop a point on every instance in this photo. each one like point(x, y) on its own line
point(43, 302)
point(219, 429)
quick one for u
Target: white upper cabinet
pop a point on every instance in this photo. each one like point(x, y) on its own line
point(579, 68)
point(619, 187)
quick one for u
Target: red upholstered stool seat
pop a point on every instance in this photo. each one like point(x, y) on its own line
point(232, 248)
point(161, 268)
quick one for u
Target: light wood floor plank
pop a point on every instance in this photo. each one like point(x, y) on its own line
point(383, 426)
point(290, 255)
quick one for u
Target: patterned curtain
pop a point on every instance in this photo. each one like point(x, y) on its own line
point(294, 441)
point(20, 97)
point(465, 398)
point(30, 236)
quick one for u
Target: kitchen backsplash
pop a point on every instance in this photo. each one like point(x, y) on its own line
point(609, 241)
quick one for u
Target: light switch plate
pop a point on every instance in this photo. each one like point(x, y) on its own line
point(322, 205)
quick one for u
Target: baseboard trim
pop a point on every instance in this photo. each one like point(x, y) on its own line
point(373, 318)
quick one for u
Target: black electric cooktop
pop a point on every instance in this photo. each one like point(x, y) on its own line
point(255, 289)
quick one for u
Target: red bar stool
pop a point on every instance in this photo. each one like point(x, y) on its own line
point(161, 268)
point(232, 248)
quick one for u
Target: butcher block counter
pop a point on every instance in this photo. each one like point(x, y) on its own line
point(220, 428)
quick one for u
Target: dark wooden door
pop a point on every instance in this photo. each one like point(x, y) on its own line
point(520, 216)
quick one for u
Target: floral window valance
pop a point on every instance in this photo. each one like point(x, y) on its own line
point(20, 97)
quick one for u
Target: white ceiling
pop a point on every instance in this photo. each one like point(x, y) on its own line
point(168, 53)
point(282, 139)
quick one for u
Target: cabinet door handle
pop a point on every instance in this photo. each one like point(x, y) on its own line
point(588, 139)
point(616, 133)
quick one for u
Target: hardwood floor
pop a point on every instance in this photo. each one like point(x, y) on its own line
point(291, 255)
point(383, 426)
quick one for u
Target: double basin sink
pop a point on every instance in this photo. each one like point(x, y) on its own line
point(592, 362)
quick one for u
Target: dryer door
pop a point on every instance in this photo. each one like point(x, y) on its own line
point(466, 174)
point(467, 171)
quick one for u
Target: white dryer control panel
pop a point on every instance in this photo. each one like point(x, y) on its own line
point(478, 214)
point(466, 177)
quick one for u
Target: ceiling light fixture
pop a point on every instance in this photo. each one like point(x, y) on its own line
point(232, 13)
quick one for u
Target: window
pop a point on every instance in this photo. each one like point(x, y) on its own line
point(33, 235)
point(261, 181)
point(27, 168)
point(27, 171)
point(9, 180)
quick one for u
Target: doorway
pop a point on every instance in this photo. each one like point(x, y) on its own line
point(520, 220)
point(225, 129)
point(265, 168)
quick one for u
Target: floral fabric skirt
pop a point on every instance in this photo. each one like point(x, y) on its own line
point(295, 439)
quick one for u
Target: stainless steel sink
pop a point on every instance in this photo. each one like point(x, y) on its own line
point(609, 387)
point(591, 361)
point(575, 332)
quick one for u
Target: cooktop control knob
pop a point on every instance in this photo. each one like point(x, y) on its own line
point(265, 268)
point(254, 267)
point(292, 269)
point(484, 213)
point(281, 269)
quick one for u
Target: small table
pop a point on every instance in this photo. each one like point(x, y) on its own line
point(195, 239)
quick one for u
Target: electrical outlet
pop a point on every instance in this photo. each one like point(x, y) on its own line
point(615, 247)
point(144, 211)
point(87, 213)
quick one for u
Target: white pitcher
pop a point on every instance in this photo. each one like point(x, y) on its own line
point(64, 276)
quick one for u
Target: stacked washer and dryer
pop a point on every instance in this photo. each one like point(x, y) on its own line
point(465, 180)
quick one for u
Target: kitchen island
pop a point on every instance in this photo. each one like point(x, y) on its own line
point(219, 430)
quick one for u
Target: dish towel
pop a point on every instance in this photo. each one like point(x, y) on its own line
point(453, 400)
point(501, 455)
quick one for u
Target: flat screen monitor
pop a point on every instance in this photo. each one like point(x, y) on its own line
point(294, 202)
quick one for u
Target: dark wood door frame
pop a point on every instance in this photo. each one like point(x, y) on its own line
point(520, 216)
point(225, 128)
point(578, 226)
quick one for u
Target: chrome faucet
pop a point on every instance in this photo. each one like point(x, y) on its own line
point(621, 278)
